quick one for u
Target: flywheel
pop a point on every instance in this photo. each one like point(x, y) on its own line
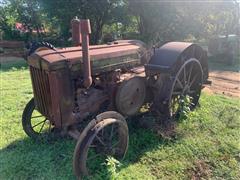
point(131, 95)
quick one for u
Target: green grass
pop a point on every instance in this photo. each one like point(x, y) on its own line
point(207, 143)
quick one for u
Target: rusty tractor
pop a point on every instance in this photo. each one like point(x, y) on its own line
point(107, 83)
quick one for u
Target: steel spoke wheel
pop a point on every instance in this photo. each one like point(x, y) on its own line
point(107, 135)
point(34, 123)
point(185, 88)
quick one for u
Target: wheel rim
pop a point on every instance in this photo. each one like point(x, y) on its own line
point(105, 142)
point(106, 136)
point(186, 87)
point(100, 145)
point(34, 123)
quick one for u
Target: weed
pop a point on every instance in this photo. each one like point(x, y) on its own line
point(184, 108)
point(112, 166)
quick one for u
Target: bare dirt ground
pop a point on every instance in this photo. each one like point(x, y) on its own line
point(224, 82)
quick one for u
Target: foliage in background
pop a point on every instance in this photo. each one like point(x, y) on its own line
point(100, 13)
point(29, 14)
point(7, 22)
point(151, 21)
point(161, 21)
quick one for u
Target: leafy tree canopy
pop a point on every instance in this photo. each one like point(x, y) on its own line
point(151, 21)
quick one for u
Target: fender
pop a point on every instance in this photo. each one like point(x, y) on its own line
point(169, 58)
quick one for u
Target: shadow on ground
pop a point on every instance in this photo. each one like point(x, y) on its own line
point(27, 159)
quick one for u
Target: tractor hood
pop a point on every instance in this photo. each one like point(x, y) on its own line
point(120, 54)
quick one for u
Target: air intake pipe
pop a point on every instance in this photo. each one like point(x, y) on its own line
point(80, 36)
point(85, 31)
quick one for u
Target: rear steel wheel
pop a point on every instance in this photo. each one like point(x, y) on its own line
point(185, 88)
point(107, 135)
point(34, 123)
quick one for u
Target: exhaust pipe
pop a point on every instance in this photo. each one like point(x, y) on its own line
point(85, 30)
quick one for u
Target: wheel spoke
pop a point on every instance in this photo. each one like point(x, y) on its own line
point(39, 123)
point(179, 82)
point(102, 132)
point(42, 126)
point(193, 80)
point(93, 146)
point(111, 134)
point(190, 73)
point(115, 144)
point(37, 116)
point(100, 140)
point(184, 75)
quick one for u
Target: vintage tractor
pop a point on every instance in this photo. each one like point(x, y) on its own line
point(225, 49)
point(107, 83)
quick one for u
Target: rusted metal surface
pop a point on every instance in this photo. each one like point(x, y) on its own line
point(62, 108)
point(169, 57)
point(41, 89)
point(100, 56)
point(89, 102)
point(86, 30)
point(130, 95)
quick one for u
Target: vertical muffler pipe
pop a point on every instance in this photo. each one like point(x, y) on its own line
point(85, 31)
point(76, 32)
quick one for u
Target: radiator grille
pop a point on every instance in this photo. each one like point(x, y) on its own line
point(41, 90)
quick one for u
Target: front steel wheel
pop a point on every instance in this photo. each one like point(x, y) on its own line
point(105, 136)
point(34, 123)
